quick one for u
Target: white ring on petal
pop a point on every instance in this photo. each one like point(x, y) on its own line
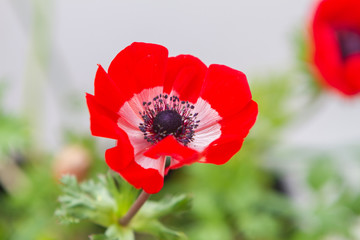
point(209, 129)
point(130, 118)
point(157, 164)
point(130, 110)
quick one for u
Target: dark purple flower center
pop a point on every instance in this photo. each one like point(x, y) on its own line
point(166, 115)
point(349, 42)
point(167, 122)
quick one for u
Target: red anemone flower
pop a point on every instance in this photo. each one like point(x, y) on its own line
point(336, 44)
point(158, 107)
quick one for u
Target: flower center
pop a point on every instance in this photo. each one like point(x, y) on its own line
point(349, 42)
point(167, 122)
point(167, 115)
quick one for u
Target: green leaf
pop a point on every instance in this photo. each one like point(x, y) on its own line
point(123, 198)
point(116, 232)
point(158, 230)
point(106, 200)
point(166, 206)
point(146, 221)
point(88, 200)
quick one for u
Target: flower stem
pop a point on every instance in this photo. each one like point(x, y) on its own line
point(134, 208)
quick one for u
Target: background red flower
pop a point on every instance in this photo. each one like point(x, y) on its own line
point(336, 43)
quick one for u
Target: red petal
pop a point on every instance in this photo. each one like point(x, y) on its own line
point(327, 56)
point(170, 147)
point(119, 157)
point(233, 132)
point(352, 74)
point(344, 12)
point(185, 74)
point(139, 66)
point(103, 121)
point(226, 90)
point(222, 149)
point(121, 160)
point(148, 179)
point(106, 91)
point(241, 123)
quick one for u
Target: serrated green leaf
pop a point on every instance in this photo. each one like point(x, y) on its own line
point(88, 200)
point(65, 218)
point(106, 200)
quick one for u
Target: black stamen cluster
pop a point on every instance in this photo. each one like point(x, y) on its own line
point(167, 115)
point(349, 42)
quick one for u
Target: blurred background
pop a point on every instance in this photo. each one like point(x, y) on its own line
point(297, 176)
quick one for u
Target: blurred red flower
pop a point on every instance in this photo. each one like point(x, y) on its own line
point(336, 42)
point(155, 106)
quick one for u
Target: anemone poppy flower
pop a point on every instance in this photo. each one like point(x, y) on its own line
point(336, 44)
point(159, 107)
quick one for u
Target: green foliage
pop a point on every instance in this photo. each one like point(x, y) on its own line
point(13, 134)
point(236, 201)
point(322, 172)
point(115, 232)
point(304, 65)
point(98, 237)
point(14, 131)
point(334, 199)
point(146, 221)
point(29, 212)
point(270, 93)
point(109, 198)
point(167, 205)
point(88, 200)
